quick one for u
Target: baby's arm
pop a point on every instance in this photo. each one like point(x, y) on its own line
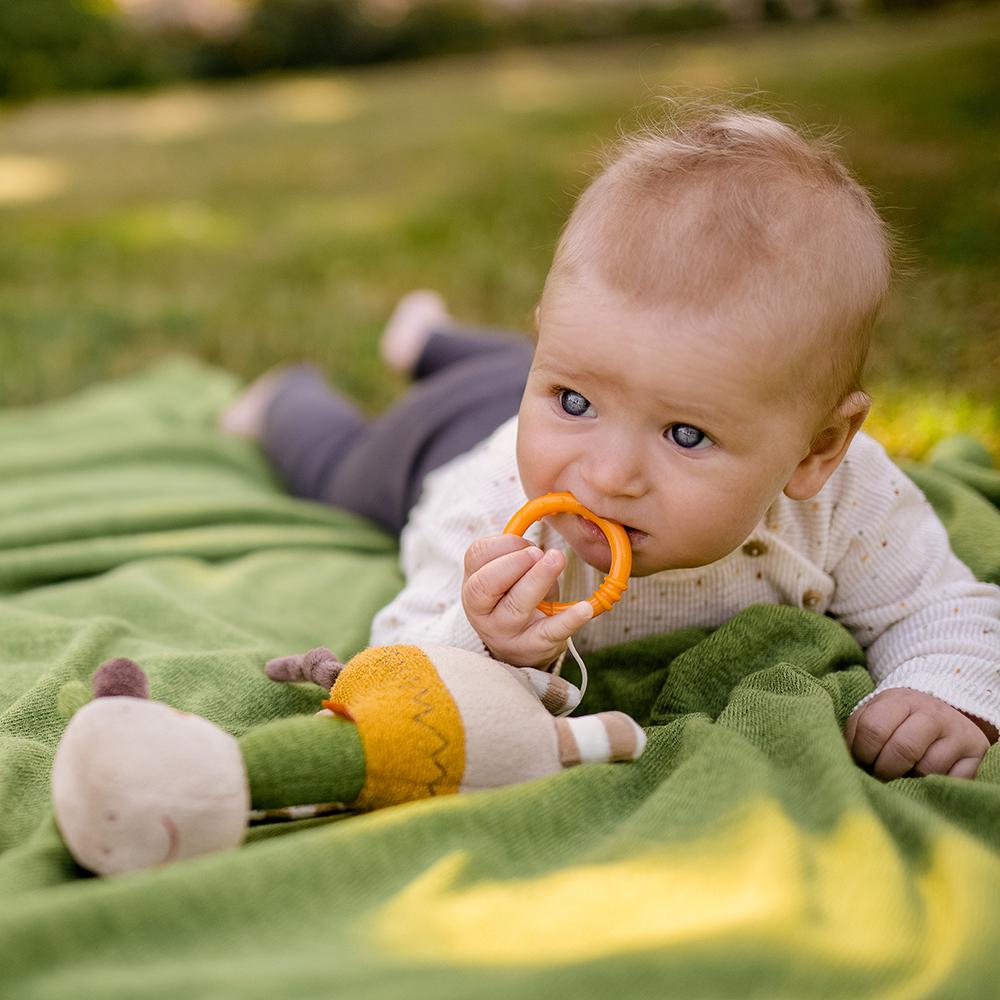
point(932, 631)
point(901, 731)
point(463, 508)
point(432, 549)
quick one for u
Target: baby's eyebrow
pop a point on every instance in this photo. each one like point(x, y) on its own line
point(566, 374)
point(694, 410)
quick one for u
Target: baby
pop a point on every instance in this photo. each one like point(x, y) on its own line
point(696, 377)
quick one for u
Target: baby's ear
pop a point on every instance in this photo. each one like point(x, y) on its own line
point(828, 447)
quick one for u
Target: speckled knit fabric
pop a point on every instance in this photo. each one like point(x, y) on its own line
point(743, 855)
point(869, 550)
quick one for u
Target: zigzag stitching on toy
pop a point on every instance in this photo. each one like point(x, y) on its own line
point(420, 699)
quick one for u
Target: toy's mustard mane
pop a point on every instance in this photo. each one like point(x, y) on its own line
point(410, 729)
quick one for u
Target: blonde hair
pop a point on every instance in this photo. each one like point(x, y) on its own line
point(736, 213)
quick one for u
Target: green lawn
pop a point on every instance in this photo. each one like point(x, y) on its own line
point(256, 222)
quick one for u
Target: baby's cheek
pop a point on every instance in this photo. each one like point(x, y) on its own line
point(714, 522)
point(530, 474)
point(537, 460)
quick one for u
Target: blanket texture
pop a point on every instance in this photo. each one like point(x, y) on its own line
point(744, 855)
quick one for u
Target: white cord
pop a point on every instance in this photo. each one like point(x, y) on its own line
point(583, 675)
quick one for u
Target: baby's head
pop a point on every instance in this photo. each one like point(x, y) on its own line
point(701, 337)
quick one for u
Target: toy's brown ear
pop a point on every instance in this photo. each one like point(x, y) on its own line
point(120, 677)
point(319, 665)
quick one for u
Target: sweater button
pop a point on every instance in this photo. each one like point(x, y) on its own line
point(754, 548)
point(811, 598)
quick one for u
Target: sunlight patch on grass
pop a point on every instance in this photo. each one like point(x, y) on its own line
point(312, 100)
point(30, 178)
point(527, 82)
point(173, 223)
point(910, 421)
point(180, 113)
point(340, 218)
point(701, 67)
point(172, 116)
point(177, 113)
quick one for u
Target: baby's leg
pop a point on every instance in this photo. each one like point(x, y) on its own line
point(441, 417)
point(323, 449)
point(456, 344)
point(244, 416)
point(421, 338)
point(307, 430)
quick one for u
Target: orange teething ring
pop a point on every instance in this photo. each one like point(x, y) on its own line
point(615, 582)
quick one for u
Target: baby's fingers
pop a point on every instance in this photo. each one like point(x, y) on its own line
point(485, 550)
point(956, 755)
point(907, 745)
point(965, 768)
point(870, 727)
point(534, 586)
point(485, 588)
point(557, 629)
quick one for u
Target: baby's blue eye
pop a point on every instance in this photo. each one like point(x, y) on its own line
point(686, 436)
point(573, 403)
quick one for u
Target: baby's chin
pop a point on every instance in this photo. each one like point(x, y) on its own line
point(592, 547)
point(597, 554)
point(642, 567)
point(639, 566)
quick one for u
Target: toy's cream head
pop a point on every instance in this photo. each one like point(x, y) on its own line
point(701, 336)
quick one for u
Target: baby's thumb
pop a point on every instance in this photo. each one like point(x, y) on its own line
point(560, 627)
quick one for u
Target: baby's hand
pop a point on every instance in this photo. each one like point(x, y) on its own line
point(904, 732)
point(505, 578)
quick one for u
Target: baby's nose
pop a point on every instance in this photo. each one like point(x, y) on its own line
point(616, 471)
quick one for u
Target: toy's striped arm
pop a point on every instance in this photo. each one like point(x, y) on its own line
point(599, 739)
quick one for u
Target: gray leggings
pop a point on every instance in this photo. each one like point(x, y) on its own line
point(467, 383)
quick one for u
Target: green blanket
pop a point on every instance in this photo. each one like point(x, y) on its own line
point(744, 855)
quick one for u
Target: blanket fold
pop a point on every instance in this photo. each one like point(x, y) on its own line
point(743, 855)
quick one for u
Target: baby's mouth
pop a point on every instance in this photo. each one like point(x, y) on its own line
point(635, 536)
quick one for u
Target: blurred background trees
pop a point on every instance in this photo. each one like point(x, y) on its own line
point(53, 45)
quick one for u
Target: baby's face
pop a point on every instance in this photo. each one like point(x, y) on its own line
point(669, 424)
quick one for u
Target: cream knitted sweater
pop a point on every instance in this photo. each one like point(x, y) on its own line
point(867, 550)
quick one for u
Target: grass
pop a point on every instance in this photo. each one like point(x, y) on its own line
point(256, 222)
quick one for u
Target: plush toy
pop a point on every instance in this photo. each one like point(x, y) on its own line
point(136, 783)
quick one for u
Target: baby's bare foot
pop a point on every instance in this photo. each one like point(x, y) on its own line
point(244, 417)
point(415, 317)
